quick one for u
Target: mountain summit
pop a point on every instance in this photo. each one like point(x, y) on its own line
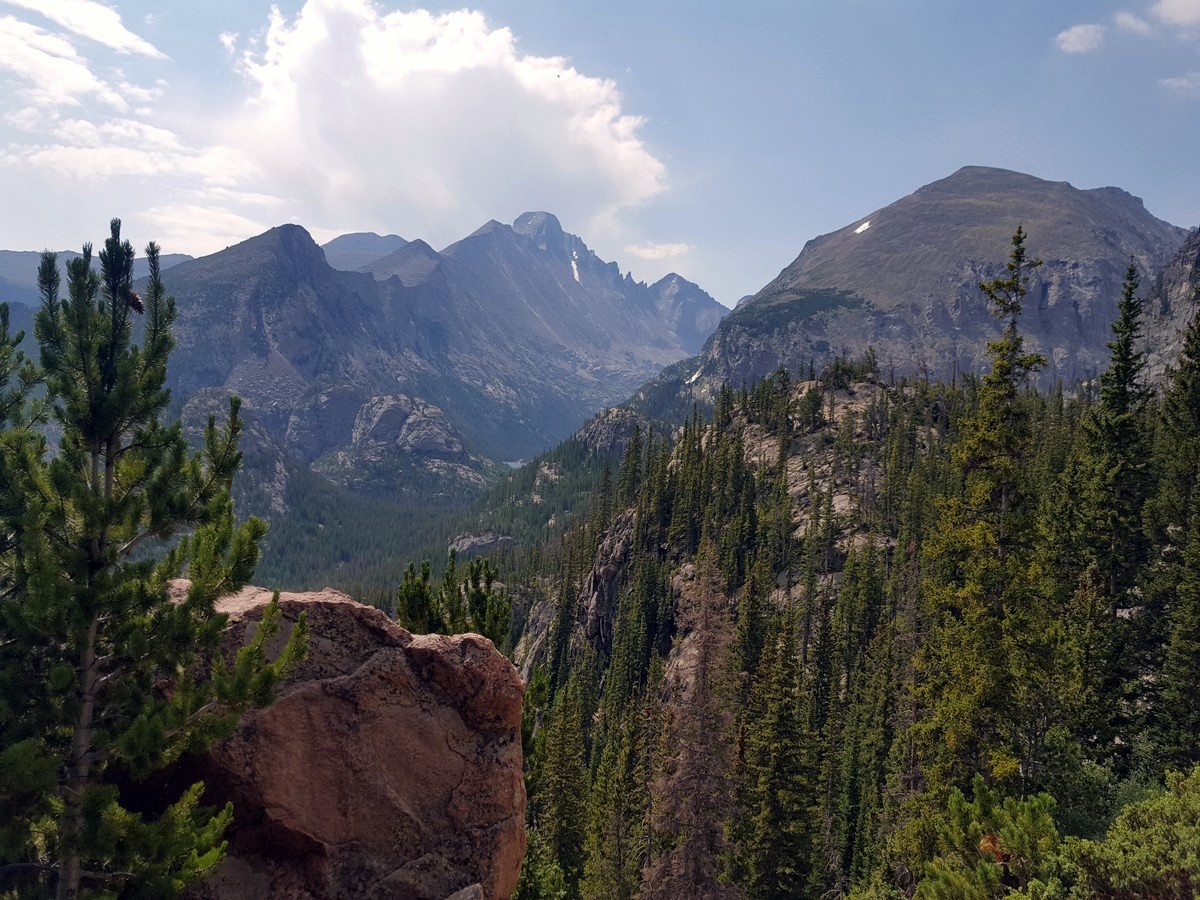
point(903, 280)
point(424, 363)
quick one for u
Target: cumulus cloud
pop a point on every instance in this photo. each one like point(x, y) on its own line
point(365, 118)
point(1182, 13)
point(1080, 38)
point(1187, 85)
point(658, 251)
point(92, 20)
point(1132, 23)
point(351, 117)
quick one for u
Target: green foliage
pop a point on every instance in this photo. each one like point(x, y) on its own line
point(88, 631)
point(1179, 712)
point(473, 602)
point(541, 876)
point(1152, 850)
point(564, 784)
point(774, 857)
point(948, 635)
point(990, 846)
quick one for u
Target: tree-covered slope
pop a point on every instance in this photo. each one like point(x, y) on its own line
point(857, 636)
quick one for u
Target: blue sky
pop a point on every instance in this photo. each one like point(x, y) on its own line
point(708, 138)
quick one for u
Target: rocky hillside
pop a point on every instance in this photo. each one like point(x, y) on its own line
point(903, 279)
point(427, 362)
point(1173, 300)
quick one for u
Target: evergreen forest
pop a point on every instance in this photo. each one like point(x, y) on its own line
point(842, 637)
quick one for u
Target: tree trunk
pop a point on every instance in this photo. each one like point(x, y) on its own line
point(70, 861)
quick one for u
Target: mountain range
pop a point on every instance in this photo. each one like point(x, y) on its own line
point(386, 370)
point(903, 280)
point(391, 367)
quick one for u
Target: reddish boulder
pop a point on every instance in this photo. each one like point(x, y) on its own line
point(389, 766)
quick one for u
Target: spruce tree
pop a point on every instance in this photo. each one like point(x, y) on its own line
point(1177, 454)
point(564, 784)
point(977, 583)
point(1179, 713)
point(780, 832)
point(1115, 445)
point(89, 634)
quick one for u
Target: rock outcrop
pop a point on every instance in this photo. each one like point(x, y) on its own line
point(599, 594)
point(389, 766)
point(1171, 306)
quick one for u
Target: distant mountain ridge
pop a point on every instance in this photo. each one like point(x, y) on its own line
point(424, 369)
point(903, 280)
point(351, 252)
point(19, 268)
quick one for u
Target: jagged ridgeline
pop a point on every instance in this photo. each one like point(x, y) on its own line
point(856, 635)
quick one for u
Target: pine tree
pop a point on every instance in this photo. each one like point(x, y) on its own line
point(977, 583)
point(416, 608)
point(1167, 514)
point(88, 632)
point(1178, 450)
point(779, 840)
point(1179, 712)
point(615, 837)
point(990, 846)
point(690, 790)
point(564, 784)
point(1114, 440)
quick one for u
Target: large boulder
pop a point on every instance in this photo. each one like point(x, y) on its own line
point(389, 766)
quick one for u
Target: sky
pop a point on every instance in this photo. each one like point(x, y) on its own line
point(708, 138)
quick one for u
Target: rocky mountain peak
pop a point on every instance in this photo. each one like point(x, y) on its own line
point(354, 252)
point(673, 283)
point(412, 264)
point(491, 226)
point(903, 279)
point(290, 244)
point(543, 229)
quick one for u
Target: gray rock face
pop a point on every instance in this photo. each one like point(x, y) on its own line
point(688, 309)
point(472, 544)
point(496, 347)
point(1173, 301)
point(351, 252)
point(611, 430)
point(904, 280)
point(598, 596)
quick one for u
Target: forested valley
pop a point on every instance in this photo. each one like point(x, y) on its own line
point(854, 636)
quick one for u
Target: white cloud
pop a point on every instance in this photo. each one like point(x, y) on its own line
point(92, 20)
point(352, 118)
point(1184, 13)
point(653, 251)
point(52, 72)
point(1187, 85)
point(363, 117)
point(228, 40)
point(1132, 23)
point(1080, 38)
point(198, 224)
point(26, 118)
